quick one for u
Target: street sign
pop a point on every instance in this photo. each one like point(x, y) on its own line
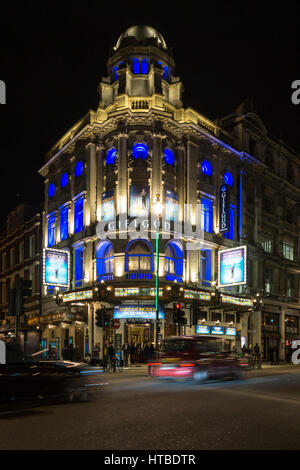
point(116, 324)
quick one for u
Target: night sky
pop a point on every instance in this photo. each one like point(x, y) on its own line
point(53, 55)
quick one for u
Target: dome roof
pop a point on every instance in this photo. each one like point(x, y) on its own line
point(140, 33)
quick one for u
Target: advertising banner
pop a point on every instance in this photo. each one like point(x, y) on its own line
point(56, 268)
point(224, 213)
point(203, 329)
point(232, 267)
point(108, 208)
point(172, 205)
point(230, 331)
point(139, 201)
point(138, 311)
point(217, 330)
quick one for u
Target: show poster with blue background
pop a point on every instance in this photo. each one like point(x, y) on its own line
point(139, 201)
point(232, 267)
point(146, 312)
point(171, 205)
point(108, 207)
point(56, 268)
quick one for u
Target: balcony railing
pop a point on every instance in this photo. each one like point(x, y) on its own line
point(105, 277)
point(139, 276)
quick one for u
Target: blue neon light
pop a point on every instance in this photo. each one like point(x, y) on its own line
point(111, 156)
point(136, 66)
point(228, 178)
point(79, 168)
point(51, 190)
point(78, 214)
point(144, 66)
point(169, 156)
point(64, 223)
point(64, 180)
point(206, 168)
point(140, 151)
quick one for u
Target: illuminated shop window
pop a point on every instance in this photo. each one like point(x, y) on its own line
point(78, 214)
point(51, 230)
point(104, 258)
point(136, 66)
point(78, 169)
point(140, 151)
point(206, 215)
point(169, 156)
point(174, 258)
point(111, 156)
point(139, 256)
point(228, 178)
point(206, 168)
point(230, 234)
point(205, 266)
point(78, 260)
point(51, 190)
point(64, 180)
point(64, 223)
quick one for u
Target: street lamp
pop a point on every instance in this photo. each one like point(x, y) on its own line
point(157, 209)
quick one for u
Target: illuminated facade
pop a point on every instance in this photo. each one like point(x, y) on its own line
point(101, 181)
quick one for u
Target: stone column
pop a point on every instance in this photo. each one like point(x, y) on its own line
point(157, 168)
point(100, 156)
point(255, 327)
point(122, 191)
point(242, 207)
point(90, 215)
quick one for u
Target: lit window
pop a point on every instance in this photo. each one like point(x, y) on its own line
point(64, 180)
point(206, 215)
point(140, 151)
point(228, 178)
point(51, 230)
point(205, 267)
point(78, 214)
point(78, 168)
point(104, 259)
point(267, 243)
point(169, 157)
point(139, 256)
point(174, 258)
point(144, 66)
point(64, 223)
point(111, 156)
point(78, 259)
point(230, 233)
point(206, 168)
point(288, 250)
point(51, 190)
point(136, 66)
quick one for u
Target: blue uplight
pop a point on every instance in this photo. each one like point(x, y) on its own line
point(140, 151)
point(228, 178)
point(79, 168)
point(206, 168)
point(51, 190)
point(111, 156)
point(169, 156)
point(64, 180)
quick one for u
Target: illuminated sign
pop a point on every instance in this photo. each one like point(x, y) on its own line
point(230, 331)
point(217, 330)
point(84, 295)
point(138, 311)
point(233, 266)
point(190, 294)
point(171, 205)
point(224, 221)
point(108, 208)
point(203, 329)
point(56, 268)
point(140, 291)
point(228, 299)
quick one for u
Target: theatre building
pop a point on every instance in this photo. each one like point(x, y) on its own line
point(142, 168)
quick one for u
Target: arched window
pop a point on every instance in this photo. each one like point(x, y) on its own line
point(174, 259)
point(139, 256)
point(104, 258)
point(140, 151)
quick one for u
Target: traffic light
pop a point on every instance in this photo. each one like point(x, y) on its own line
point(106, 319)
point(178, 314)
point(99, 318)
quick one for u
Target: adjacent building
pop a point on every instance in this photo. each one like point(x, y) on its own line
point(228, 196)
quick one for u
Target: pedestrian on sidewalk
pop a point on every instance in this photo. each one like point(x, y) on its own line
point(126, 352)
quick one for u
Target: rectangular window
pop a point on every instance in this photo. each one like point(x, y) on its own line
point(268, 280)
point(267, 242)
point(64, 223)
point(21, 252)
point(230, 234)
point(206, 215)
point(136, 66)
point(145, 66)
point(78, 214)
point(205, 267)
point(12, 257)
point(78, 258)
point(51, 230)
point(31, 245)
point(288, 250)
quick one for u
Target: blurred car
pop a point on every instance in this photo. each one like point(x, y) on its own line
point(22, 378)
point(195, 357)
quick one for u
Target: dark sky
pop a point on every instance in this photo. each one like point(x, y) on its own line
point(53, 55)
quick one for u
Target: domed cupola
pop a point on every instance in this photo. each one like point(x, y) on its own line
point(140, 65)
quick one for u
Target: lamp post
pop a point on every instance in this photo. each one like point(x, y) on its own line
point(157, 209)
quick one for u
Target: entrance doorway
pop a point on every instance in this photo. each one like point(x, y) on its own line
point(139, 334)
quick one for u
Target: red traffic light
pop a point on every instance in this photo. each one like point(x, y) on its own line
point(178, 306)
